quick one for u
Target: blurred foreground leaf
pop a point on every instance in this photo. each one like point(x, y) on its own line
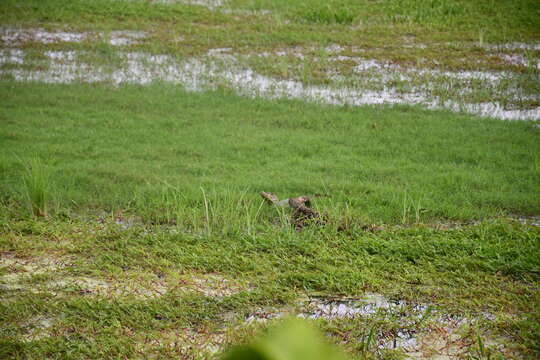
point(292, 340)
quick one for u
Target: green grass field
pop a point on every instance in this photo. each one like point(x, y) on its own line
point(136, 147)
point(131, 224)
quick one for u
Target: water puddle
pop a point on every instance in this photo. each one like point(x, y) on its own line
point(16, 37)
point(342, 308)
point(425, 332)
point(372, 84)
point(12, 37)
point(12, 56)
point(126, 37)
point(405, 340)
point(513, 46)
point(214, 5)
point(209, 4)
point(527, 220)
point(369, 304)
point(520, 60)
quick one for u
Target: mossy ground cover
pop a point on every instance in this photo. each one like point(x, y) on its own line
point(131, 225)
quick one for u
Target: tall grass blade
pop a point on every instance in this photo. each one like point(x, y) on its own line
point(206, 213)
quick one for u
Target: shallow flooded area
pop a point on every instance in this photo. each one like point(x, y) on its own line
point(421, 330)
point(368, 81)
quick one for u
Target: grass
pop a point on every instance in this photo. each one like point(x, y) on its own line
point(155, 240)
point(37, 185)
point(186, 169)
point(399, 165)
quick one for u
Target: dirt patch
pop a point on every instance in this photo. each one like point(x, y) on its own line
point(17, 272)
point(17, 276)
point(211, 285)
point(107, 288)
point(185, 342)
point(190, 340)
point(32, 265)
point(37, 328)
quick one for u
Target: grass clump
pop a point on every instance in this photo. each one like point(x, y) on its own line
point(327, 13)
point(37, 178)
